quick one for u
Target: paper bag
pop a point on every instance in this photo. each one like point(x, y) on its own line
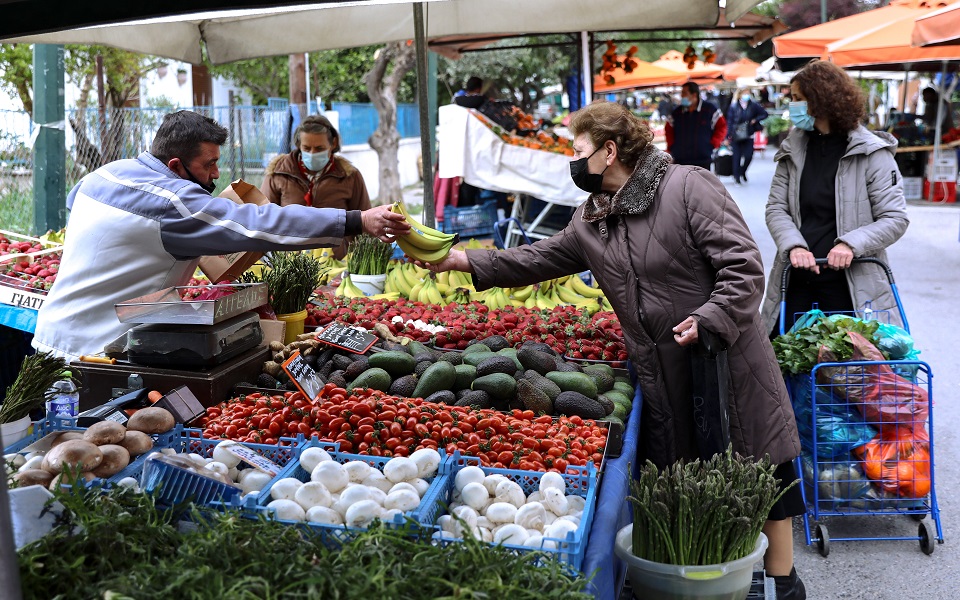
point(231, 266)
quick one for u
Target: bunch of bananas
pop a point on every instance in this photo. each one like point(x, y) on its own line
point(494, 298)
point(330, 267)
point(449, 281)
point(348, 289)
point(460, 295)
point(427, 292)
point(401, 278)
point(423, 243)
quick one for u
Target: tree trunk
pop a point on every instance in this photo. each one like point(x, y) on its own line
point(382, 89)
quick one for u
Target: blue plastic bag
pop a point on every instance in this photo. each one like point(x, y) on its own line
point(840, 427)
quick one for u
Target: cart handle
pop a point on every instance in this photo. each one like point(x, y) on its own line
point(785, 278)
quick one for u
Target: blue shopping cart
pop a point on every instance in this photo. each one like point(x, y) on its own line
point(867, 437)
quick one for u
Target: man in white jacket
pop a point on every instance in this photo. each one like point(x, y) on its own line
point(139, 225)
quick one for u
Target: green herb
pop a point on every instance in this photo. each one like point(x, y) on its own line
point(368, 256)
point(702, 512)
point(291, 279)
point(31, 388)
point(799, 351)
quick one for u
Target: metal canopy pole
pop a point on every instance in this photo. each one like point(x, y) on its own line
point(423, 101)
point(586, 70)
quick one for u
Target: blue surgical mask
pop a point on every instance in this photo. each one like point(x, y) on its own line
point(745, 99)
point(799, 116)
point(315, 161)
point(684, 101)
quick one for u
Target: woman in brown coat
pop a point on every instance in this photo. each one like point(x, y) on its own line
point(672, 253)
point(314, 175)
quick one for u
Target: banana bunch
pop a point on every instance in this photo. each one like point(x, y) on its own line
point(423, 243)
point(347, 289)
point(460, 295)
point(521, 294)
point(427, 292)
point(330, 267)
point(403, 278)
point(386, 296)
point(493, 298)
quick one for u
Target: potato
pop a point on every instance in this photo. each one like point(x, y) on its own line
point(115, 459)
point(151, 420)
point(105, 432)
point(137, 443)
point(66, 436)
point(73, 454)
point(33, 477)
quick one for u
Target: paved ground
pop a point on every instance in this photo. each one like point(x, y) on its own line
point(926, 264)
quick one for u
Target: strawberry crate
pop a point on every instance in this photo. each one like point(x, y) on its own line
point(334, 535)
point(580, 481)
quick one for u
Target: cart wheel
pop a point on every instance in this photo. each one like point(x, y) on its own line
point(927, 537)
point(918, 517)
point(823, 541)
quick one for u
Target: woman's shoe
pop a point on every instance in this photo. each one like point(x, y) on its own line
point(790, 587)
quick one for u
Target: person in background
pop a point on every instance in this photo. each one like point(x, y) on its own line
point(743, 119)
point(836, 194)
point(665, 106)
point(695, 129)
point(314, 175)
point(473, 96)
point(139, 225)
point(931, 99)
point(673, 255)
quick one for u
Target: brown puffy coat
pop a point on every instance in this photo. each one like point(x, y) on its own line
point(680, 248)
point(341, 186)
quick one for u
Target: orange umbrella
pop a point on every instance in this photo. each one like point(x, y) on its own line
point(887, 45)
point(812, 41)
point(673, 60)
point(939, 27)
point(643, 75)
point(740, 68)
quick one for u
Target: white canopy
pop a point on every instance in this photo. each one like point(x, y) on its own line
point(235, 35)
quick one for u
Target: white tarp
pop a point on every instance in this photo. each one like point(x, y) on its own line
point(235, 35)
point(470, 149)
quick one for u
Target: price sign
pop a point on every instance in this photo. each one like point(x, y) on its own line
point(346, 337)
point(255, 460)
point(303, 375)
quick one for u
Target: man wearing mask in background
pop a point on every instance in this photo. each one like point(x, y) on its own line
point(695, 129)
point(743, 119)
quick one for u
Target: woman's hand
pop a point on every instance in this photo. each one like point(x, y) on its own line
point(455, 261)
point(801, 258)
point(383, 224)
point(840, 257)
point(686, 332)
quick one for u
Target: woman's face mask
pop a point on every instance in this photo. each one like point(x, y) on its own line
point(315, 161)
point(589, 182)
point(799, 116)
point(744, 99)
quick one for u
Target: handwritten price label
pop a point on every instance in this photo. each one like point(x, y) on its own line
point(254, 460)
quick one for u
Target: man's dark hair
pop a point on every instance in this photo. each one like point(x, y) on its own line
point(181, 134)
point(692, 87)
point(473, 84)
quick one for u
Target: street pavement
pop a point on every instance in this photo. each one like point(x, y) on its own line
point(926, 265)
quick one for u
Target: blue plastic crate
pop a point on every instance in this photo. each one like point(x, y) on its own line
point(336, 535)
point(470, 221)
point(581, 481)
point(53, 423)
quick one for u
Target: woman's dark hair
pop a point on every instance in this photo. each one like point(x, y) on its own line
point(603, 121)
point(181, 134)
point(317, 124)
point(831, 93)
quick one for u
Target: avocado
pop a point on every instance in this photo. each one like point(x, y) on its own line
point(574, 403)
point(533, 398)
point(475, 358)
point(478, 347)
point(601, 377)
point(341, 362)
point(620, 411)
point(465, 376)
point(421, 368)
point(500, 386)
point(337, 379)
point(374, 378)
point(539, 346)
point(512, 355)
point(496, 343)
point(574, 382)
point(622, 379)
point(442, 397)
point(567, 367)
point(454, 358)
point(607, 404)
point(475, 398)
point(438, 376)
point(326, 369)
point(624, 388)
point(394, 362)
point(613, 420)
point(265, 380)
point(496, 364)
point(616, 396)
point(356, 367)
point(540, 362)
point(415, 349)
point(545, 385)
point(403, 387)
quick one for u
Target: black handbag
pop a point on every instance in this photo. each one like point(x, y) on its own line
point(741, 132)
point(710, 380)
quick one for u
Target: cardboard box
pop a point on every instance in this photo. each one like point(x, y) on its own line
point(231, 266)
point(273, 331)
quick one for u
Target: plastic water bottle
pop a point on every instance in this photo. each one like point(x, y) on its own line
point(66, 399)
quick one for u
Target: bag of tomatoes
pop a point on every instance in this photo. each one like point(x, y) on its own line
point(898, 461)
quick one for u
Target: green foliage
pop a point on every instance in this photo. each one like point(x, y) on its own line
point(16, 73)
point(799, 351)
point(776, 125)
point(122, 69)
point(16, 208)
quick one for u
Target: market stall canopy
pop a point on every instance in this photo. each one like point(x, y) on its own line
point(889, 45)
point(673, 60)
point(642, 76)
point(811, 42)
point(939, 27)
point(235, 35)
point(740, 68)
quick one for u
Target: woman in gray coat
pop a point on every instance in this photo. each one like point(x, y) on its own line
point(671, 252)
point(836, 194)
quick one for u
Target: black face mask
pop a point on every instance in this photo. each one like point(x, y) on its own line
point(591, 183)
point(212, 185)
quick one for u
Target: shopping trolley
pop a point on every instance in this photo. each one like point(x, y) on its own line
point(867, 436)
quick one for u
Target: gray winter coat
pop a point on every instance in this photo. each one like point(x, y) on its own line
point(670, 244)
point(871, 215)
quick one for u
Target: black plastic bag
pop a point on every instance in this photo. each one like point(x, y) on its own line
point(710, 380)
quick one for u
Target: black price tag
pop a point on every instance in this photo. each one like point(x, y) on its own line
point(346, 337)
point(303, 376)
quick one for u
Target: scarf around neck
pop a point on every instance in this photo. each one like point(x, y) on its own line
point(637, 194)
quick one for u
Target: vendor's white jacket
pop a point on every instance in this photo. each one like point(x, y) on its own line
point(136, 227)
